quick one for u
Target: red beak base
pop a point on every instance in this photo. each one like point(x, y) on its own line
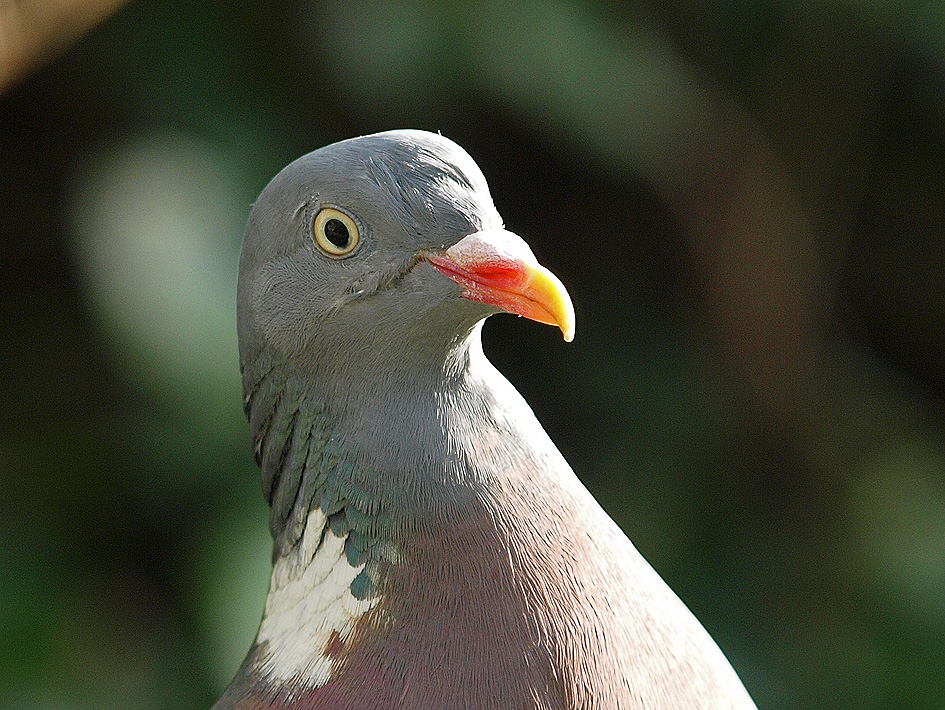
point(496, 267)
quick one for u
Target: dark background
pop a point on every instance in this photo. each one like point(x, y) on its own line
point(746, 201)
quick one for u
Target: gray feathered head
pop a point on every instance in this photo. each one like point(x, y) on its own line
point(382, 251)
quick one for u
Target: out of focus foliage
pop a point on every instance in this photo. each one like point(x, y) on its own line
point(746, 200)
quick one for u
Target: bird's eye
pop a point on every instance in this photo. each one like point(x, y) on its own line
point(335, 233)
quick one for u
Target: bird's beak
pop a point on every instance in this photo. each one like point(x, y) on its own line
point(496, 267)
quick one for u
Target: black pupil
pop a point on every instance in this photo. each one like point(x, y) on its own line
point(337, 233)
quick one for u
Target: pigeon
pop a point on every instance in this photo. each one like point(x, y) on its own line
point(432, 549)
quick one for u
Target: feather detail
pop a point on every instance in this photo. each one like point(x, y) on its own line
point(311, 609)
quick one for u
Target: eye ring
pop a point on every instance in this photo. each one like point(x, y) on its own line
point(335, 233)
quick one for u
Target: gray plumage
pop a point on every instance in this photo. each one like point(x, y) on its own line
point(482, 573)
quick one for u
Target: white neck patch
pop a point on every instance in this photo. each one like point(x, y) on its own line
point(309, 601)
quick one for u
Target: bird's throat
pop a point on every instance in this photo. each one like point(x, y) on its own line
point(356, 520)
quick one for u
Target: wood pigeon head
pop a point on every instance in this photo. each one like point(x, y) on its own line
point(345, 255)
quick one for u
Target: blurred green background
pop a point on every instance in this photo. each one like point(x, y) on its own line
point(745, 199)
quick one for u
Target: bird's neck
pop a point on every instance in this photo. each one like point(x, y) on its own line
point(360, 437)
point(358, 480)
